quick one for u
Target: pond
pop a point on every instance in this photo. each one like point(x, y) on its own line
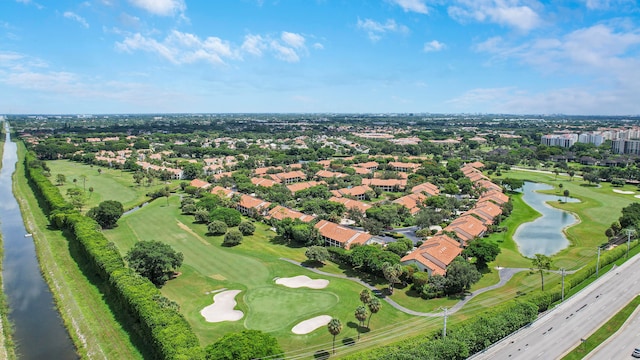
point(38, 329)
point(543, 235)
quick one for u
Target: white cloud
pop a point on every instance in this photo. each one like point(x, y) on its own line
point(161, 7)
point(418, 6)
point(185, 48)
point(253, 44)
point(76, 17)
point(376, 30)
point(433, 45)
point(607, 4)
point(318, 46)
point(283, 52)
point(129, 20)
point(293, 39)
point(510, 13)
point(181, 48)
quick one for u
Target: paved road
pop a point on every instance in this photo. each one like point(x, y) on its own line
point(621, 344)
point(561, 329)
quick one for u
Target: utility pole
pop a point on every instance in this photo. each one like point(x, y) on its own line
point(598, 262)
point(562, 285)
point(444, 330)
point(628, 241)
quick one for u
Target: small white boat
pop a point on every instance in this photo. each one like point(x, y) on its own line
point(28, 235)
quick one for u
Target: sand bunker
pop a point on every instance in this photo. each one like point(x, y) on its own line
point(308, 326)
point(222, 308)
point(637, 196)
point(303, 281)
point(623, 192)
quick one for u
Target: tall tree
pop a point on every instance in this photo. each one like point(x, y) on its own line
point(154, 260)
point(392, 273)
point(361, 316)
point(365, 296)
point(566, 195)
point(541, 263)
point(483, 250)
point(107, 213)
point(374, 307)
point(460, 276)
point(334, 327)
point(61, 179)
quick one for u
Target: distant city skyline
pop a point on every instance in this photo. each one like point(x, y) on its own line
point(576, 57)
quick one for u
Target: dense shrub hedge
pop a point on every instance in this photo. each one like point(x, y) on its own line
point(160, 324)
point(463, 339)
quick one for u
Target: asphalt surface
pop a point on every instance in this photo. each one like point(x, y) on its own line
point(621, 344)
point(560, 330)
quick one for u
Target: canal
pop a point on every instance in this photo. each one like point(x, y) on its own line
point(38, 331)
point(543, 235)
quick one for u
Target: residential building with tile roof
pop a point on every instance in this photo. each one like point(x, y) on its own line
point(434, 255)
point(341, 236)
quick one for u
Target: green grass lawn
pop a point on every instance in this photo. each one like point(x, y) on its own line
point(110, 184)
point(599, 207)
point(250, 267)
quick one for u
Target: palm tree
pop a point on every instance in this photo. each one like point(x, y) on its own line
point(84, 182)
point(374, 306)
point(566, 195)
point(361, 315)
point(365, 296)
point(392, 274)
point(541, 263)
point(90, 191)
point(335, 327)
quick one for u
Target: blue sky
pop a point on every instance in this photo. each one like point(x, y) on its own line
point(344, 56)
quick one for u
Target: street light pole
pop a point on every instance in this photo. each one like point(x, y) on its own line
point(562, 284)
point(628, 241)
point(598, 262)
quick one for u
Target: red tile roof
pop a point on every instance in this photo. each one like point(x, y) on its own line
point(343, 235)
point(281, 212)
point(435, 254)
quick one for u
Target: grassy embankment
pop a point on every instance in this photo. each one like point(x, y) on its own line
point(7, 348)
point(92, 325)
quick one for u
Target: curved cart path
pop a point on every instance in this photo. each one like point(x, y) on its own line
point(505, 275)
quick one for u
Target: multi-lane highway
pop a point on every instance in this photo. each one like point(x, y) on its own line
point(621, 344)
point(566, 326)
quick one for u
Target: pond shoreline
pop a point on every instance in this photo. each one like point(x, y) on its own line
point(535, 236)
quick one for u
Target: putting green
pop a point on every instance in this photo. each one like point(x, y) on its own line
point(274, 308)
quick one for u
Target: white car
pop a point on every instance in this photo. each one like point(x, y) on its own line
point(636, 353)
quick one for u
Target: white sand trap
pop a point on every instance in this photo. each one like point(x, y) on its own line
point(308, 326)
point(303, 281)
point(623, 192)
point(637, 196)
point(222, 308)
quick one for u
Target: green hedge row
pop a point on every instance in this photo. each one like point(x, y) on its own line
point(163, 328)
point(464, 338)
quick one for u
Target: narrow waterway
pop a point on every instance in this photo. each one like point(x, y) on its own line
point(38, 329)
point(543, 235)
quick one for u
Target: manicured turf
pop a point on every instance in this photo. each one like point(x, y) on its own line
point(250, 267)
point(109, 185)
point(599, 207)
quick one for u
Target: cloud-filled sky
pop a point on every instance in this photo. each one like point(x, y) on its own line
point(342, 56)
